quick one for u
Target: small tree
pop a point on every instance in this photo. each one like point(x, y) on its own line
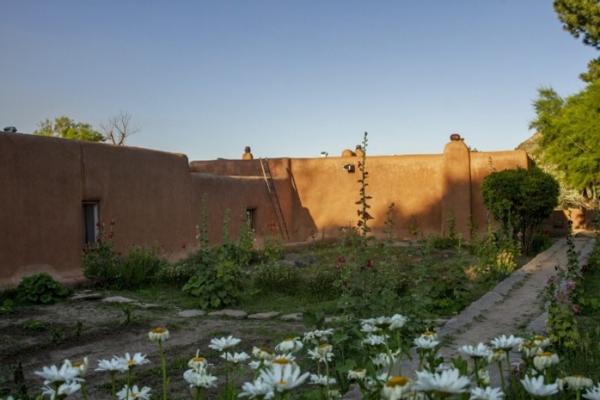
point(520, 199)
point(118, 129)
point(66, 128)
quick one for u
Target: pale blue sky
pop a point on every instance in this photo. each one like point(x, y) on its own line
point(287, 77)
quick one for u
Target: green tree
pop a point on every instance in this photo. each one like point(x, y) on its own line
point(581, 18)
point(570, 136)
point(66, 128)
point(520, 199)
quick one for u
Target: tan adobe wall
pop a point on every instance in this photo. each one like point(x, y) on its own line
point(45, 180)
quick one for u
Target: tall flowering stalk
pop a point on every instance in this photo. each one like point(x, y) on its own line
point(363, 201)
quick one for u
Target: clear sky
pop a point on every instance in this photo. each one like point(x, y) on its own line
point(289, 78)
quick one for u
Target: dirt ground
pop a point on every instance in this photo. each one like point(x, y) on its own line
point(44, 335)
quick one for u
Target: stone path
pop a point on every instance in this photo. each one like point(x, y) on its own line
point(515, 304)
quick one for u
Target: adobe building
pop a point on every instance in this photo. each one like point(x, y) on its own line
point(54, 193)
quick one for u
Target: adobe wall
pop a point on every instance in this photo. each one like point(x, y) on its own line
point(40, 207)
point(44, 182)
point(427, 190)
point(155, 198)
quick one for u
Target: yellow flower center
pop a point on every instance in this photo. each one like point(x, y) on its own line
point(159, 330)
point(281, 361)
point(77, 364)
point(131, 363)
point(397, 380)
point(429, 334)
point(546, 354)
point(283, 382)
point(198, 359)
point(539, 337)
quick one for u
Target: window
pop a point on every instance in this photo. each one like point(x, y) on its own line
point(251, 218)
point(91, 229)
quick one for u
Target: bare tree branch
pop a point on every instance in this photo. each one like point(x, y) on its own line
point(118, 129)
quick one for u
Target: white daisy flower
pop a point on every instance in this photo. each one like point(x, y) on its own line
point(318, 335)
point(426, 342)
point(224, 343)
point(291, 345)
point(261, 354)
point(397, 387)
point(544, 360)
point(53, 374)
point(64, 390)
point(397, 321)
point(479, 351)
point(357, 374)
point(112, 365)
point(506, 343)
point(134, 393)
point(375, 340)
point(283, 359)
point(322, 353)
point(497, 355)
point(592, 393)
point(384, 359)
point(368, 328)
point(81, 366)
point(536, 386)
point(258, 389)
point(159, 334)
point(487, 393)
point(284, 378)
point(448, 381)
point(578, 382)
point(254, 365)
point(199, 378)
point(322, 380)
point(129, 361)
point(541, 341)
point(197, 362)
point(235, 358)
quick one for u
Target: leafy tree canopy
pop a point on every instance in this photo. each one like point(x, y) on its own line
point(66, 128)
point(570, 135)
point(580, 18)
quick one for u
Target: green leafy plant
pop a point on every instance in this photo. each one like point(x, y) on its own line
point(219, 285)
point(34, 325)
point(40, 289)
point(141, 266)
point(101, 264)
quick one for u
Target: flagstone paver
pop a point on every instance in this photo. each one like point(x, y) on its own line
point(237, 314)
point(264, 315)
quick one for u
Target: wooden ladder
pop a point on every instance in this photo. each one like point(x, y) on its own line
point(264, 164)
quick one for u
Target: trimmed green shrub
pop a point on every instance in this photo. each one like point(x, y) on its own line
point(40, 289)
point(520, 199)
